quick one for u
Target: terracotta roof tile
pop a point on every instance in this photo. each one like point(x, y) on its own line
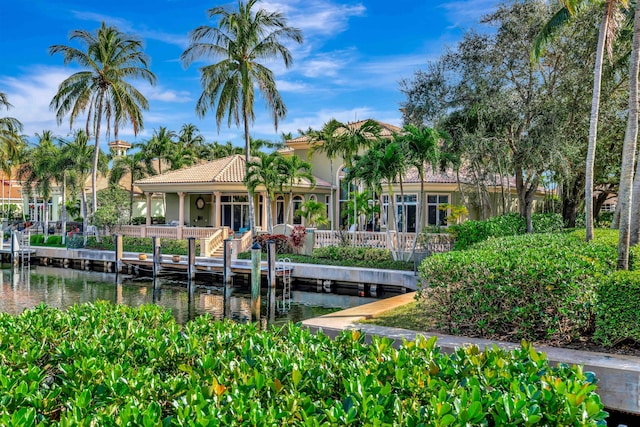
point(226, 169)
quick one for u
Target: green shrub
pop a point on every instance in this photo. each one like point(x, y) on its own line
point(618, 301)
point(75, 241)
point(350, 253)
point(109, 364)
point(36, 239)
point(535, 287)
point(471, 232)
point(282, 242)
point(54, 240)
point(142, 244)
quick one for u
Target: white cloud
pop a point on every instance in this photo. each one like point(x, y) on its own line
point(467, 13)
point(315, 17)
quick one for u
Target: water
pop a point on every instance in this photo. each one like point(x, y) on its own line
point(26, 287)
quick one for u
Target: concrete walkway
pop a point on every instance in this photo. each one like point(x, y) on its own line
point(618, 376)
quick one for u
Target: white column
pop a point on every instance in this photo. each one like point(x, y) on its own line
point(181, 209)
point(218, 209)
point(148, 221)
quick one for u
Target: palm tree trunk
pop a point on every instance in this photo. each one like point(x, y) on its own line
point(391, 208)
point(634, 236)
point(63, 214)
point(593, 127)
point(247, 158)
point(629, 148)
point(269, 214)
point(419, 221)
point(96, 154)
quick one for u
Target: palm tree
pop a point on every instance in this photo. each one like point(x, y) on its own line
point(313, 212)
point(264, 171)
point(605, 41)
point(242, 38)
point(629, 149)
point(11, 142)
point(101, 89)
point(421, 147)
point(295, 169)
point(40, 170)
point(79, 154)
point(132, 164)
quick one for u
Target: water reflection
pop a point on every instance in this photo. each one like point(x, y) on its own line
point(27, 287)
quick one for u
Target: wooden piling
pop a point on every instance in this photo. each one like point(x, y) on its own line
point(256, 252)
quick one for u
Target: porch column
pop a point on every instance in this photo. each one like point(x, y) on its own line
point(265, 218)
point(181, 209)
point(212, 210)
point(148, 195)
point(218, 209)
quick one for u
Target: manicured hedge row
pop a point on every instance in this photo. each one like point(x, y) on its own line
point(535, 287)
point(114, 365)
point(142, 244)
point(618, 303)
point(470, 232)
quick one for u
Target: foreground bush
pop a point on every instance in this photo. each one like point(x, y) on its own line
point(115, 365)
point(353, 253)
point(535, 287)
point(142, 244)
point(618, 301)
point(470, 232)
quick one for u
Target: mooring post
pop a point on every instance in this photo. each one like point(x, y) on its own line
point(256, 253)
point(226, 277)
point(271, 280)
point(191, 262)
point(118, 264)
point(156, 256)
point(14, 247)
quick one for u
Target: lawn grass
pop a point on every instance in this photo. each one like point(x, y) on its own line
point(408, 316)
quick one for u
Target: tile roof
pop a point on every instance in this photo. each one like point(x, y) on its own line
point(227, 169)
point(224, 170)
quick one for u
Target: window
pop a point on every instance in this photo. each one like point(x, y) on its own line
point(406, 211)
point(297, 204)
point(435, 216)
point(347, 190)
point(327, 201)
point(280, 210)
point(235, 212)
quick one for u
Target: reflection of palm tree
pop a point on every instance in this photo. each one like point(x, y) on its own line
point(242, 38)
point(110, 58)
point(264, 170)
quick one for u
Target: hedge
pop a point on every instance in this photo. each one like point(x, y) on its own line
point(535, 287)
point(108, 364)
point(618, 301)
point(470, 232)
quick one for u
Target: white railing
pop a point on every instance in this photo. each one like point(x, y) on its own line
point(368, 239)
point(163, 232)
point(132, 230)
point(199, 232)
point(245, 242)
point(209, 245)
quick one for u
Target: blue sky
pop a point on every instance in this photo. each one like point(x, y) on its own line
point(349, 66)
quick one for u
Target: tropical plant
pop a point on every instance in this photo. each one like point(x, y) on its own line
point(294, 169)
point(314, 213)
point(134, 166)
point(39, 171)
point(243, 37)
point(625, 196)
point(11, 142)
point(102, 89)
point(78, 155)
point(264, 171)
point(608, 27)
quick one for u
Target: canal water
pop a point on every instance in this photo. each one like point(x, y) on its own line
point(26, 287)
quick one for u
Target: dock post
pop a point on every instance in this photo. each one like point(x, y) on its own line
point(118, 256)
point(256, 253)
point(157, 257)
point(191, 262)
point(14, 247)
point(271, 281)
point(226, 278)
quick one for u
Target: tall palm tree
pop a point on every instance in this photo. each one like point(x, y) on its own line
point(243, 37)
point(421, 147)
point(79, 158)
point(264, 171)
point(39, 171)
point(159, 149)
point(102, 89)
point(629, 149)
point(605, 41)
point(11, 142)
point(132, 164)
point(295, 169)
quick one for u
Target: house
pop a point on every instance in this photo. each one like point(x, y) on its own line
point(213, 194)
